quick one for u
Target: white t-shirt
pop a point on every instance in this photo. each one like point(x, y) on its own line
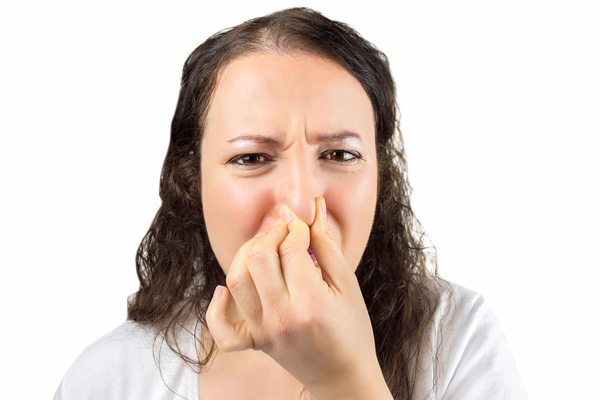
point(474, 361)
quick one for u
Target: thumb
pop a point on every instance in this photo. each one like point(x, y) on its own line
point(227, 335)
point(329, 255)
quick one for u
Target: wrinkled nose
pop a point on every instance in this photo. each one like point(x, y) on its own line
point(298, 187)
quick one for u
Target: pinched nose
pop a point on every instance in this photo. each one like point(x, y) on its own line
point(298, 188)
point(303, 208)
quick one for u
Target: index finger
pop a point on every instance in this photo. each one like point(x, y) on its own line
point(262, 261)
point(299, 270)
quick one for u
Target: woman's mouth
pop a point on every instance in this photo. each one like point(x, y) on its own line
point(312, 255)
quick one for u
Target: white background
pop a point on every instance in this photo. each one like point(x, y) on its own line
point(500, 112)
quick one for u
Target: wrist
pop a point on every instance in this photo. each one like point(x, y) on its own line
point(373, 387)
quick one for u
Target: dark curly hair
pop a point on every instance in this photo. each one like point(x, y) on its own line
point(176, 266)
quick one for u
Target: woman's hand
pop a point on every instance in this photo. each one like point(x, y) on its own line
point(311, 319)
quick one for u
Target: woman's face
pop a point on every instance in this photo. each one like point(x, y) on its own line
point(284, 130)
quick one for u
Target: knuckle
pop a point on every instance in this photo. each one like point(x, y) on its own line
point(256, 254)
point(279, 229)
point(287, 249)
point(311, 314)
point(318, 231)
point(283, 328)
point(329, 235)
point(234, 282)
point(307, 319)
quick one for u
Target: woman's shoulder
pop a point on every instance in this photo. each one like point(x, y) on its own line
point(127, 363)
point(467, 354)
point(127, 337)
point(117, 348)
point(458, 304)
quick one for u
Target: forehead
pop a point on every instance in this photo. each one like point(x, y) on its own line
point(260, 89)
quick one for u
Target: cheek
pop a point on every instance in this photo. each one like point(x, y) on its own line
point(352, 207)
point(233, 213)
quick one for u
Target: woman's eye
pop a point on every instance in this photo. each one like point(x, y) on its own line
point(342, 156)
point(249, 160)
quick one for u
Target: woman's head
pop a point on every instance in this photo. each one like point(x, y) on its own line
point(177, 267)
point(288, 34)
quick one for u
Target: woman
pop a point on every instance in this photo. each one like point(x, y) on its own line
point(285, 261)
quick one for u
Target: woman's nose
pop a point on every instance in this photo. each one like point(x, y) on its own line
point(298, 188)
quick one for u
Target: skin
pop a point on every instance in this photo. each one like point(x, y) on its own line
point(288, 162)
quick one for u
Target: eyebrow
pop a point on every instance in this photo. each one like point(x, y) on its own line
point(255, 138)
point(321, 138)
point(336, 136)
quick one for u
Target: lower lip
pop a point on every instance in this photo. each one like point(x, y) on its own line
point(312, 255)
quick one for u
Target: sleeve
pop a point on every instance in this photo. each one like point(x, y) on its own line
point(114, 367)
point(60, 392)
point(123, 365)
point(476, 361)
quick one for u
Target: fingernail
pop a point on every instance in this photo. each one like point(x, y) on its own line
point(323, 212)
point(218, 292)
point(323, 209)
point(286, 213)
point(259, 234)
